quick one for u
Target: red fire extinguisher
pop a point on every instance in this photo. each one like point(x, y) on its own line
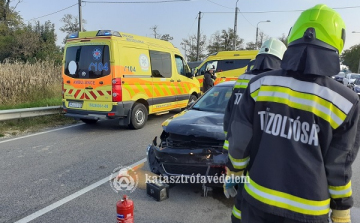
point(125, 210)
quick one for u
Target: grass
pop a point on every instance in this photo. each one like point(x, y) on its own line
point(34, 124)
point(40, 103)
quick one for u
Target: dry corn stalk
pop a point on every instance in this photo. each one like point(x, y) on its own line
point(25, 82)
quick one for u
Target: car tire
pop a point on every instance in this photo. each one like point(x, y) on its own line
point(139, 115)
point(154, 164)
point(89, 121)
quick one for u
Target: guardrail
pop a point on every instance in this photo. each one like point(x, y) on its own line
point(28, 112)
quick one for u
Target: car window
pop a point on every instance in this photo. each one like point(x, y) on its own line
point(357, 81)
point(88, 62)
point(354, 76)
point(214, 100)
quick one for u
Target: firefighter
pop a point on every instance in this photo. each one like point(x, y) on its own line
point(269, 58)
point(303, 130)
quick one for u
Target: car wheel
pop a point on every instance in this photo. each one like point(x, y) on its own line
point(89, 121)
point(154, 164)
point(139, 115)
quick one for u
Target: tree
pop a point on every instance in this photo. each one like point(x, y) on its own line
point(251, 46)
point(9, 18)
point(35, 42)
point(262, 38)
point(283, 39)
point(224, 41)
point(189, 46)
point(25, 44)
point(47, 37)
point(71, 24)
point(351, 58)
point(165, 37)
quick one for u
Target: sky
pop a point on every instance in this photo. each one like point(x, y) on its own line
point(180, 18)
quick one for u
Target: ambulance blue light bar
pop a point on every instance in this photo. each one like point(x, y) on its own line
point(108, 33)
point(73, 35)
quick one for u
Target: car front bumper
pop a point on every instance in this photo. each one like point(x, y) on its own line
point(190, 162)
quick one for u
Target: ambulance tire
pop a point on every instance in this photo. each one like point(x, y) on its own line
point(139, 115)
point(89, 121)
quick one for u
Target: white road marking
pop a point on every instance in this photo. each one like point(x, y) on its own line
point(40, 133)
point(71, 197)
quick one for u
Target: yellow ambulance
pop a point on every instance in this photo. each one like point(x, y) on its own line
point(229, 65)
point(113, 75)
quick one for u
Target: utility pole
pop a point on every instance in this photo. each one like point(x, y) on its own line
point(359, 59)
point(198, 38)
point(235, 25)
point(80, 17)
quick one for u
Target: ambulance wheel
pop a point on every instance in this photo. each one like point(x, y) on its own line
point(192, 98)
point(89, 121)
point(139, 115)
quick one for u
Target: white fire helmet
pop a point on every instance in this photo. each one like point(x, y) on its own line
point(274, 47)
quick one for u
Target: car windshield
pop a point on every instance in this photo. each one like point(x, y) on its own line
point(214, 100)
point(354, 76)
point(357, 81)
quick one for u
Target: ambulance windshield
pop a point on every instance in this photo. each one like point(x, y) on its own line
point(87, 61)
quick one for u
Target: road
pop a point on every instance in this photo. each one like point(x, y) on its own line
point(60, 175)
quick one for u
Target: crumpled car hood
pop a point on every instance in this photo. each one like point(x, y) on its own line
point(196, 123)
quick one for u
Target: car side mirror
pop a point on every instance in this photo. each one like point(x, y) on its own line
point(189, 75)
point(190, 105)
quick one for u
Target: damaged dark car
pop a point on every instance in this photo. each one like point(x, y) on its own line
point(192, 141)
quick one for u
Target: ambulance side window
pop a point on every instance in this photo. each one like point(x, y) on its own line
point(179, 65)
point(160, 64)
point(225, 65)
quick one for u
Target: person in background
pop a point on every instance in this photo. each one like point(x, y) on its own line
point(209, 78)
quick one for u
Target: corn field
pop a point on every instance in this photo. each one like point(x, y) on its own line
point(25, 82)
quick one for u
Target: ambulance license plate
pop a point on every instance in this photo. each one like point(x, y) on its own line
point(75, 104)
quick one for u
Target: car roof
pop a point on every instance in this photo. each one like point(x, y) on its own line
point(226, 83)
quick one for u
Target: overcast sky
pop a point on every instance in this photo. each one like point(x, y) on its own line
point(179, 19)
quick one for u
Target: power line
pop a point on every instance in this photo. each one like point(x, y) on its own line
point(138, 2)
point(192, 25)
point(282, 11)
point(246, 19)
point(53, 12)
point(219, 4)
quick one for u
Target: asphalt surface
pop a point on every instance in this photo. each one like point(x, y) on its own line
point(38, 171)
